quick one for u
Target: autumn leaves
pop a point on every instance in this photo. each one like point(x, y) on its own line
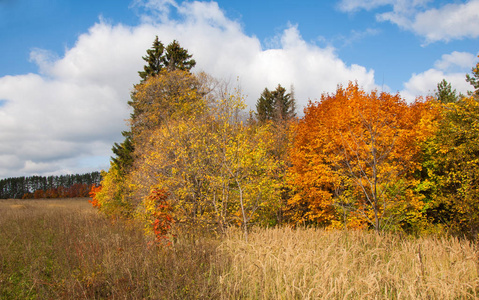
point(353, 160)
point(194, 160)
point(371, 160)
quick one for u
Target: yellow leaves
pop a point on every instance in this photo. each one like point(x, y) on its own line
point(112, 197)
point(169, 95)
point(217, 169)
point(453, 163)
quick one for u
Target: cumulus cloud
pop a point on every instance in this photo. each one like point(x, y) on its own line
point(462, 60)
point(66, 117)
point(451, 67)
point(445, 23)
point(457, 21)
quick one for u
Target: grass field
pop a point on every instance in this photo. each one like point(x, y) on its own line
point(63, 249)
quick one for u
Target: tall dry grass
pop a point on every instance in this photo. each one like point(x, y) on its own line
point(63, 249)
point(318, 264)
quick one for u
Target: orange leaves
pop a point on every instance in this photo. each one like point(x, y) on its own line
point(162, 213)
point(95, 189)
point(353, 155)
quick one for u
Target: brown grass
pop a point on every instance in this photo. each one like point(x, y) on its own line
point(63, 249)
point(318, 264)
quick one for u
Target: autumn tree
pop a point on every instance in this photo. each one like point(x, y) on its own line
point(168, 95)
point(112, 199)
point(123, 158)
point(175, 60)
point(353, 158)
point(216, 169)
point(452, 168)
point(158, 59)
point(152, 99)
point(445, 93)
point(277, 110)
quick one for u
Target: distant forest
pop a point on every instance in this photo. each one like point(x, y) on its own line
point(35, 187)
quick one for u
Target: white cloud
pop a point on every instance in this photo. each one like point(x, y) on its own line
point(158, 9)
point(446, 23)
point(66, 118)
point(452, 21)
point(356, 5)
point(463, 60)
point(451, 67)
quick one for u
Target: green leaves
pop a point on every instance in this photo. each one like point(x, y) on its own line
point(277, 105)
point(445, 93)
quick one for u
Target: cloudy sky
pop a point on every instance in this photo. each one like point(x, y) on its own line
point(67, 67)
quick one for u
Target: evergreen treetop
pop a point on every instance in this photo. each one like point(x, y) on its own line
point(173, 57)
point(276, 105)
point(177, 57)
point(154, 59)
point(445, 93)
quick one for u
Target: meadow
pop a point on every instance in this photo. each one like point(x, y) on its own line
point(64, 249)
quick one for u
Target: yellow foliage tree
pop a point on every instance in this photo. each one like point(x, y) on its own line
point(217, 171)
point(452, 168)
point(168, 95)
point(112, 199)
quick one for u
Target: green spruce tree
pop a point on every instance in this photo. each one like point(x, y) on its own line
point(276, 105)
point(177, 58)
point(445, 94)
point(154, 59)
point(124, 153)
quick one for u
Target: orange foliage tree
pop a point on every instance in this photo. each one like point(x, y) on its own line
point(94, 190)
point(161, 214)
point(354, 157)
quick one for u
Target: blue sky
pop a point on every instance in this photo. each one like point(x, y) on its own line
point(67, 67)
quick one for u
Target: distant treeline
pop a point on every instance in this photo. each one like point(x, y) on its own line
point(63, 186)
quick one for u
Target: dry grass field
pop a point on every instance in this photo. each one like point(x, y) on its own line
point(63, 249)
point(319, 264)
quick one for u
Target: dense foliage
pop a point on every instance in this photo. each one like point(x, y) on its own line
point(194, 159)
point(354, 158)
point(63, 186)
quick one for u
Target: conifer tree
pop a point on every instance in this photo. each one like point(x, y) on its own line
point(173, 57)
point(158, 58)
point(177, 58)
point(264, 106)
point(275, 105)
point(124, 153)
point(154, 58)
point(445, 94)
